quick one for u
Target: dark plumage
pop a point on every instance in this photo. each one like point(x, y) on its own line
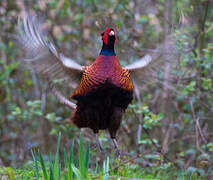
point(102, 109)
point(105, 89)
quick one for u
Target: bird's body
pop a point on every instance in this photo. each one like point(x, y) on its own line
point(104, 92)
point(103, 95)
point(105, 89)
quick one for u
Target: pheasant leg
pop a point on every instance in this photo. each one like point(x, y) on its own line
point(119, 153)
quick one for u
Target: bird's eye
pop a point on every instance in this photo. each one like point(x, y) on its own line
point(102, 34)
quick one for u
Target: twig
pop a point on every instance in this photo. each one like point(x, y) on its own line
point(166, 140)
point(158, 149)
point(140, 116)
point(112, 169)
point(43, 101)
point(188, 137)
point(190, 160)
point(167, 30)
point(195, 127)
point(122, 164)
point(200, 131)
point(205, 17)
point(35, 83)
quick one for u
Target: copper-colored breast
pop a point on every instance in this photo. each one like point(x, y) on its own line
point(105, 68)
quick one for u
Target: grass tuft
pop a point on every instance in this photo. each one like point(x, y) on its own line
point(70, 171)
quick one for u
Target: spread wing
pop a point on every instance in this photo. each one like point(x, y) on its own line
point(151, 68)
point(140, 64)
point(42, 56)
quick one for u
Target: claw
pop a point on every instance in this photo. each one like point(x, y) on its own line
point(118, 151)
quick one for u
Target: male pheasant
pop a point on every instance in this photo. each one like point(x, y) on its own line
point(105, 88)
point(104, 92)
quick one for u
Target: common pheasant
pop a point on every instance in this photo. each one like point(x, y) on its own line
point(105, 88)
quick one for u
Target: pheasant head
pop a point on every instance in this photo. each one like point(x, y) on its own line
point(109, 38)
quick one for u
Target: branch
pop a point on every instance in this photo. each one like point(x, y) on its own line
point(158, 149)
point(205, 17)
point(121, 164)
point(137, 93)
point(200, 131)
point(195, 127)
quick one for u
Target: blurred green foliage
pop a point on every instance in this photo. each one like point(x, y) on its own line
point(78, 168)
point(30, 117)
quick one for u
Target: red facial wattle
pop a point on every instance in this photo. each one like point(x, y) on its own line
point(106, 35)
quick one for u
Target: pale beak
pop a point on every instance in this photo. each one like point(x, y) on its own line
point(111, 33)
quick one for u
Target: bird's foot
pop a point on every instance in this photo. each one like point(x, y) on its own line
point(98, 145)
point(122, 155)
point(119, 153)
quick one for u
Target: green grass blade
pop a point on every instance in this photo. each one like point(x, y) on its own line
point(51, 158)
point(81, 156)
point(70, 171)
point(43, 166)
point(36, 165)
point(86, 160)
point(65, 164)
point(77, 172)
point(65, 159)
point(65, 177)
point(106, 169)
point(51, 172)
point(76, 165)
point(57, 164)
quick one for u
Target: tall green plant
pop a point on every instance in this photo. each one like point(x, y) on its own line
point(106, 169)
point(52, 170)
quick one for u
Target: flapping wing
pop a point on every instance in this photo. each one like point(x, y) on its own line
point(141, 63)
point(151, 68)
point(42, 55)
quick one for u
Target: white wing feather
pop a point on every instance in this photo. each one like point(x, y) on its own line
point(42, 55)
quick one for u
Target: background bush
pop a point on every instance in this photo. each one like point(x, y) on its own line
point(176, 122)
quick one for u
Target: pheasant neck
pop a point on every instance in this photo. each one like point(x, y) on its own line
point(108, 50)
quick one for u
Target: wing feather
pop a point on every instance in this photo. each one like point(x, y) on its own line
point(141, 63)
point(41, 54)
point(150, 68)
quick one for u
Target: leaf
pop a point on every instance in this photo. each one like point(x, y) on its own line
point(70, 171)
point(50, 116)
point(43, 166)
point(36, 165)
point(106, 169)
point(81, 156)
point(57, 165)
point(86, 162)
point(77, 172)
point(65, 163)
point(51, 172)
